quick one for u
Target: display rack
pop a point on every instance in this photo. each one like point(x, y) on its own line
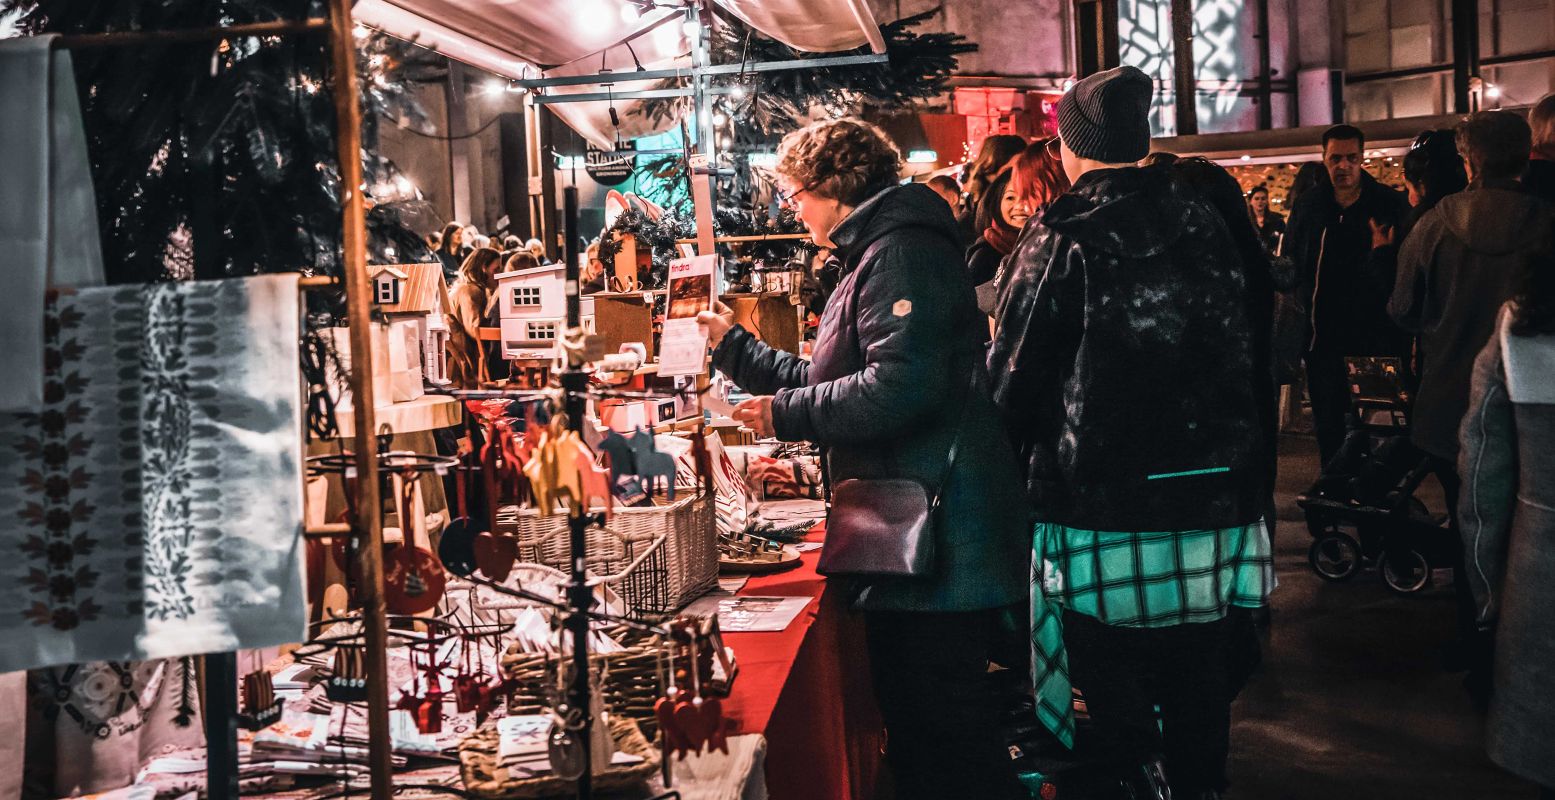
point(366, 524)
point(367, 527)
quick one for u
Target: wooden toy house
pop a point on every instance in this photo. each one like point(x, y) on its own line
point(532, 305)
point(417, 294)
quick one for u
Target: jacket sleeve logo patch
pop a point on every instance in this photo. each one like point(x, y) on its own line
point(902, 308)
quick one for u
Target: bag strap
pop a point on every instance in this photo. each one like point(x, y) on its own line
point(866, 259)
point(955, 444)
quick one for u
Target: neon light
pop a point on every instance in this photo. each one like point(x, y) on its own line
point(1163, 475)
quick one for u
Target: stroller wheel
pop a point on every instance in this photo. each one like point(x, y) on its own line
point(1335, 557)
point(1405, 571)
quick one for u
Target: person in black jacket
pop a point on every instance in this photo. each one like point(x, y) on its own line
point(895, 381)
point(998, 225)
point(1126, 367)
point(1269, 224)
point(1539, 177)
point(451, 250)
point(1330, 239)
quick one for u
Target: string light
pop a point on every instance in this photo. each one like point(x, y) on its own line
point(719, 119)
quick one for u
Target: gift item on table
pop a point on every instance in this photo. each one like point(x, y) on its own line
point(152, 506)
point(181, 774)
point(699, 671)
point(406, 373)
point(785, 479)
point(106, 720)
point(338, 371)
point(48, 211)
point(656, 470)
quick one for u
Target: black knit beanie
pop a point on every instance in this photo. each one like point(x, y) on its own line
point(1106, 116)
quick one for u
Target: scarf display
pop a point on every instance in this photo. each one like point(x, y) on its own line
point(48, 213)
point(151, 507)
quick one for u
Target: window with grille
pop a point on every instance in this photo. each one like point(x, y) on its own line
point(526, 296)
point(388, 291)
point(542, 331)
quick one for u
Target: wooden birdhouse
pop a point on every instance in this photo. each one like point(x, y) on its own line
point(420, 295)
point(388, 284)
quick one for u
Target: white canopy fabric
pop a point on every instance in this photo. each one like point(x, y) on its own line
point(818, 26)
point(550, 38)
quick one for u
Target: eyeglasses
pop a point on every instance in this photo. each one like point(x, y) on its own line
point(787, 200)
point(1054, 147)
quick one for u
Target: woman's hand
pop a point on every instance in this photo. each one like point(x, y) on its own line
point(756, 414)
point(716, 323)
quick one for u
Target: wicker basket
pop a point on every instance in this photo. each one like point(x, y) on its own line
point(658, 558)
point(484, 776)
point(630, 679)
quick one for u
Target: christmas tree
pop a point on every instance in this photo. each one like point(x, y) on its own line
point(218, 159)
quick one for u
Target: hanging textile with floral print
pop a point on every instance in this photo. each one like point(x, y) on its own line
point(152, 507)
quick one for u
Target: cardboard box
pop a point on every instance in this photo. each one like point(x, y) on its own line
point(771, 317)
point(623, 319)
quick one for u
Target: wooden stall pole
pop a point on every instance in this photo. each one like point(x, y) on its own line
point(368, 522)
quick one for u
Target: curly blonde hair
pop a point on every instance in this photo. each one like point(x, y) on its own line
point(845, 159)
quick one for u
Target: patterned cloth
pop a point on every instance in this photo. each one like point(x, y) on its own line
point(152, 507)
point(1153, 579)
point(101, 721)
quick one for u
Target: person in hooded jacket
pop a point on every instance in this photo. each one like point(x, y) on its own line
point(1508, 466)
point(896, 389)
point(1329, 238)
point(1125, 367)
point(1456, 269)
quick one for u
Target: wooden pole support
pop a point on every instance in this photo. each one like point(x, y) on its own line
point(369, 522)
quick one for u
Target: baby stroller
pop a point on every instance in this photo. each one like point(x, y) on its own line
point(1363, 509)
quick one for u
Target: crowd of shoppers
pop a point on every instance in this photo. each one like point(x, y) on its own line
point(1132, 371)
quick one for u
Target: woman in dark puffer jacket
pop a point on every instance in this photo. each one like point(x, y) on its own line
point(896, 377)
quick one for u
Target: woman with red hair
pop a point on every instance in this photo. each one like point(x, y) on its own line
point(1034, 178)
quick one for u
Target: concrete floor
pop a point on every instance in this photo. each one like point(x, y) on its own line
point(1351, 701)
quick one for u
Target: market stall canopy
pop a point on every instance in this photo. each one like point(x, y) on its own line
point(521, 39)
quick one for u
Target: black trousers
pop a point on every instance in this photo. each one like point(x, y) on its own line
point(1328, 384)
point(942, 733)
point(1125, 673)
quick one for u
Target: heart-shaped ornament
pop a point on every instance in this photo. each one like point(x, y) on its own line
point(674, 739)
point(713, 722)
point(495, 555)
point(688, 717)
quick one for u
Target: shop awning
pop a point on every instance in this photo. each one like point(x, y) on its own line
point(545, 38)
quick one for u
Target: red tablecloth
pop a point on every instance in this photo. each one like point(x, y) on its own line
point(807, 689)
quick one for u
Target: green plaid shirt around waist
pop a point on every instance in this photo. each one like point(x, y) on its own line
point(1152, 579)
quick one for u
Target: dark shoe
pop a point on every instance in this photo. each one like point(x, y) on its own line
point(1147, 782)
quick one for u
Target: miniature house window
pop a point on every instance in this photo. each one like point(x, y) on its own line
point(526, 296)
point(388, 290)
point(542, 331)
